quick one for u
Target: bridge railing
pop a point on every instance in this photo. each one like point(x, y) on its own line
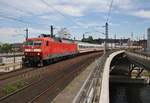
point(10, 58)
point(142, 55)
point(10, 67)
point(90, 90)
point(11, 54)
point(96, 87)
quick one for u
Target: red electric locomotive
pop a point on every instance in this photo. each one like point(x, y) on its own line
point(42, 49)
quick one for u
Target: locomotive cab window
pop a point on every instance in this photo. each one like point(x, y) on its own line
point(33, 43)
point(38, 43)
point(28, 43)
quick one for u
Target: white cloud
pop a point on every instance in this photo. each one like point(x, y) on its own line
point(35, 32)
point(19, 8)
point(71, 10)
point(45, 17)
point(114, 24)
point(142, 14)
point(125, 4)
point(52, 17)
point(9, 34)
point(87, 25)
point(72, 7)
point(8, 31)
point(92, 5)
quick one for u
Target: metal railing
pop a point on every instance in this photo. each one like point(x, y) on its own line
point(140, 55)
point(11, 67)
point(11, 54)
point(90, 91)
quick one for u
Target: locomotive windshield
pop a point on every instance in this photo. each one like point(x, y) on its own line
point(33, 43)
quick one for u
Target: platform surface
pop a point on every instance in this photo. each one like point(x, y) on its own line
point(70, 92)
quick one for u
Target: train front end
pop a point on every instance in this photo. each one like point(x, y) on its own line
point(32, 51)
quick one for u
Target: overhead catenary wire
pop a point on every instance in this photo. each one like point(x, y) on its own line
point(59, 12)
point(30, 13)
point(20, 10)
point(12, 18)
point(17, 19)
point(109, 11)
point(106, 26)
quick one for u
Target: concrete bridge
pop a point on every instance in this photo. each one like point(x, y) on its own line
point(111, 67)
point(117, 67)
point(96, 87)
point(140, 59)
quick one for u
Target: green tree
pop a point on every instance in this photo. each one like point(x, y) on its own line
point(0, 48)
point(5, 48)
point(90, 39)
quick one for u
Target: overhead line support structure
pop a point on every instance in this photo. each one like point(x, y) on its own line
point(52, 30)
point(106, 37)
point(27, 33)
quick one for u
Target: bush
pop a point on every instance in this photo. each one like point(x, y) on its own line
point(5, 48)
point(9, 88)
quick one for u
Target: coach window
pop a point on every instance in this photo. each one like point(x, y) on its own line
point(46, 43)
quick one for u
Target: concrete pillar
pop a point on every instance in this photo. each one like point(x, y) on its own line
point(148, 39)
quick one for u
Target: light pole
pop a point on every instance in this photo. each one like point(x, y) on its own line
point(106, 38)
point(52, 30)
point(115, 41)
point(27, 33)
point(106, 33)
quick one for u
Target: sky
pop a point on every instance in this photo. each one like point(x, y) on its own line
point(78, 16)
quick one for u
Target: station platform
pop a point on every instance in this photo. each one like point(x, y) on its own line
point(10, 67)
point(71, 91)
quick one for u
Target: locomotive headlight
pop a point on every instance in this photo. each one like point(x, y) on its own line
point(27, 50)
point(38, 53)
point(37, 50)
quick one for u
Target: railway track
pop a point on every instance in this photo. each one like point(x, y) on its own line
point(63, 80)
point(57, 77)
point(14, 73)
point(24, 70)
point(21, 71)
